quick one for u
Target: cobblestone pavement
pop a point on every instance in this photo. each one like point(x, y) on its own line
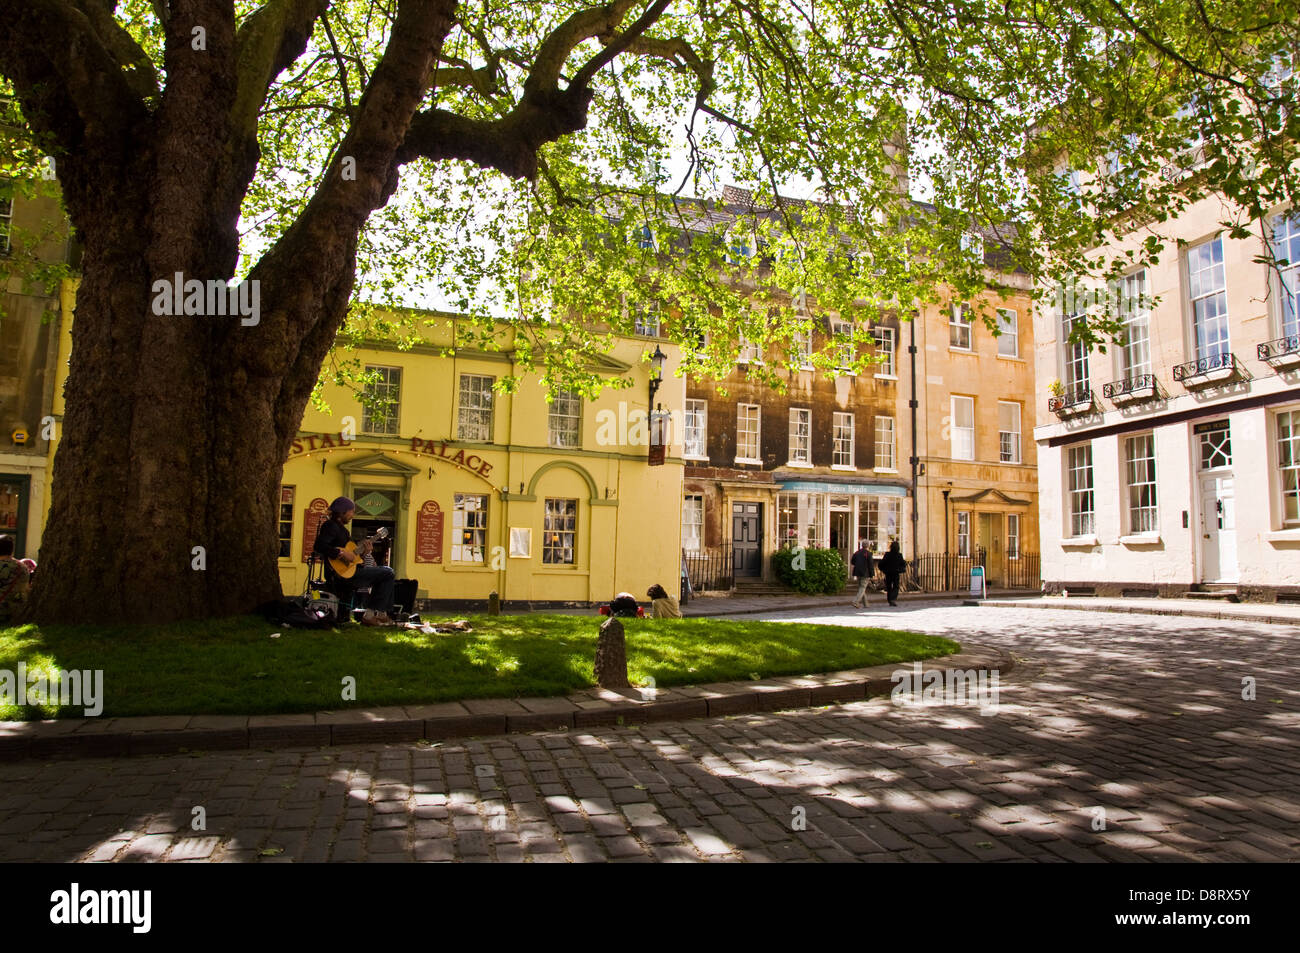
point(1138, 720)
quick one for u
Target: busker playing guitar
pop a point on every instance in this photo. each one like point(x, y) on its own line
point(332, 541)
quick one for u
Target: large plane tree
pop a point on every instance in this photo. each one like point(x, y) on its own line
point(536, 159)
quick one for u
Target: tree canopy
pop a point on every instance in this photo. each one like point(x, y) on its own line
point(557, 153)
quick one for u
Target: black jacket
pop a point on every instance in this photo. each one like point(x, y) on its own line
point(863, 565)
point(893, 564)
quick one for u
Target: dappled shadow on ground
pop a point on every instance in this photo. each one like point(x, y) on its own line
point(1137, 722)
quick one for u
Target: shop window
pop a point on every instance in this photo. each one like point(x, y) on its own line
point(383, 394)
point(800, 518)
point(474, 422)
point(286, 522)
point(469, 528)
point(560, 532)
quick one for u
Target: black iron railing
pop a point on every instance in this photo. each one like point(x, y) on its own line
point(709, 570)
point(1072, 399)
point(1205, 365)
point(948, 572)
point(1282, 347)
point(1119, 390)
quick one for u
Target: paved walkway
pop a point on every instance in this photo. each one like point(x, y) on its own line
point(1116, 738)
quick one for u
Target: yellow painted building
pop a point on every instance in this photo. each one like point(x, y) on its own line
point(483, 491)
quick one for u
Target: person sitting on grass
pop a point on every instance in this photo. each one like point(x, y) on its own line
point(15, 581)
point(663, 605)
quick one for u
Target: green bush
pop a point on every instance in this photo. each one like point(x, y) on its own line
point(812, 570)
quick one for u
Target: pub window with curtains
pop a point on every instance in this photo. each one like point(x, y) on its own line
point(469, 528)
point(560, 532)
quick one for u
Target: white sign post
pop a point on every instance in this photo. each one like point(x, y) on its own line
point(978, 590)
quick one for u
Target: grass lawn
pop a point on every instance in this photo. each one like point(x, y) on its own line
point(233, 666)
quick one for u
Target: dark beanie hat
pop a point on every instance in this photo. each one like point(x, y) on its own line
point(342, 505)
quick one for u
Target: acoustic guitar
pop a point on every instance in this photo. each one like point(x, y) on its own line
point(347, 570)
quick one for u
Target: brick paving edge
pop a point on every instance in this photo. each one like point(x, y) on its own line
point(91, 738)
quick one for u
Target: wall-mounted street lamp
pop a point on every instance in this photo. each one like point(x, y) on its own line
point(657, 372)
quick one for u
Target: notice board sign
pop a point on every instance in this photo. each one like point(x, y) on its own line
point(428, 533)
point(315, 515)
point(658, 438)
point(977, 588)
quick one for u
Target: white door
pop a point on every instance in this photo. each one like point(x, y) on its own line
point(1218, 529)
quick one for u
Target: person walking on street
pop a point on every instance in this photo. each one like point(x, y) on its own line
point(864, 567)
point(893, 566)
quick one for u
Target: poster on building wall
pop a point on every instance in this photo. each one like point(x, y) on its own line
point(428, 533)
point(521, 542)
point(315, 514)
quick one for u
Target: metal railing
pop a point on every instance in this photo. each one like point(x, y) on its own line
point(1075, 397)
point(709, 570)
point(1204, 365)
point(1281, 347)
point(1119, 390)
point(948, 572)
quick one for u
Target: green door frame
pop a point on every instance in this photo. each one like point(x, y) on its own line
point(24, 481)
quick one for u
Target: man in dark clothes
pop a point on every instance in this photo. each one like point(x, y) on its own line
point(330, 542)
point(864, 568)
point(893, 566)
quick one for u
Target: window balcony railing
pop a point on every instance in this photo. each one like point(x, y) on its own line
point(1281, 353)
point(1131, 390)
point(1075, 401)
point(1206, 370)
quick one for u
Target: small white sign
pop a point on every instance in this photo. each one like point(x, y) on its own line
point(977, 588)
point(521, 542)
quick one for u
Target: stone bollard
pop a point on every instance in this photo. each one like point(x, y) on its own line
point(494, 603)
point(611, 656)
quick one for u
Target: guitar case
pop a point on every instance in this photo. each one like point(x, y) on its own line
point(404, 591)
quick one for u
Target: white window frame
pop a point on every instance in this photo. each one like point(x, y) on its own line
point(462, 552)
point(1207, 286)
point(390, 422)
point(1009, 336)
point(886, 444)
point(693, 522)
point(1078, 371)
point(483, 393)
point(749, 352)
point(1013, 536)
point(1288, 464)
point(1078, 463)
point(1140, 481)
point(800, 436)
point(842, 457)
point(963, 533)
point(695, 422)
point(6, 223)
point(555, 512)
point(968, 438)
point(803, 343)
point(1014, 434)
point(885, 342)
point(1286, 246)
point(564, 421)
point(846, 352)
point(646, 320)
point(1135, 355)
point(743, 417)
point(972, 246)
point(959, 328)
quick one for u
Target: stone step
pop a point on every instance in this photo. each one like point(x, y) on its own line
point(1223, 593)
